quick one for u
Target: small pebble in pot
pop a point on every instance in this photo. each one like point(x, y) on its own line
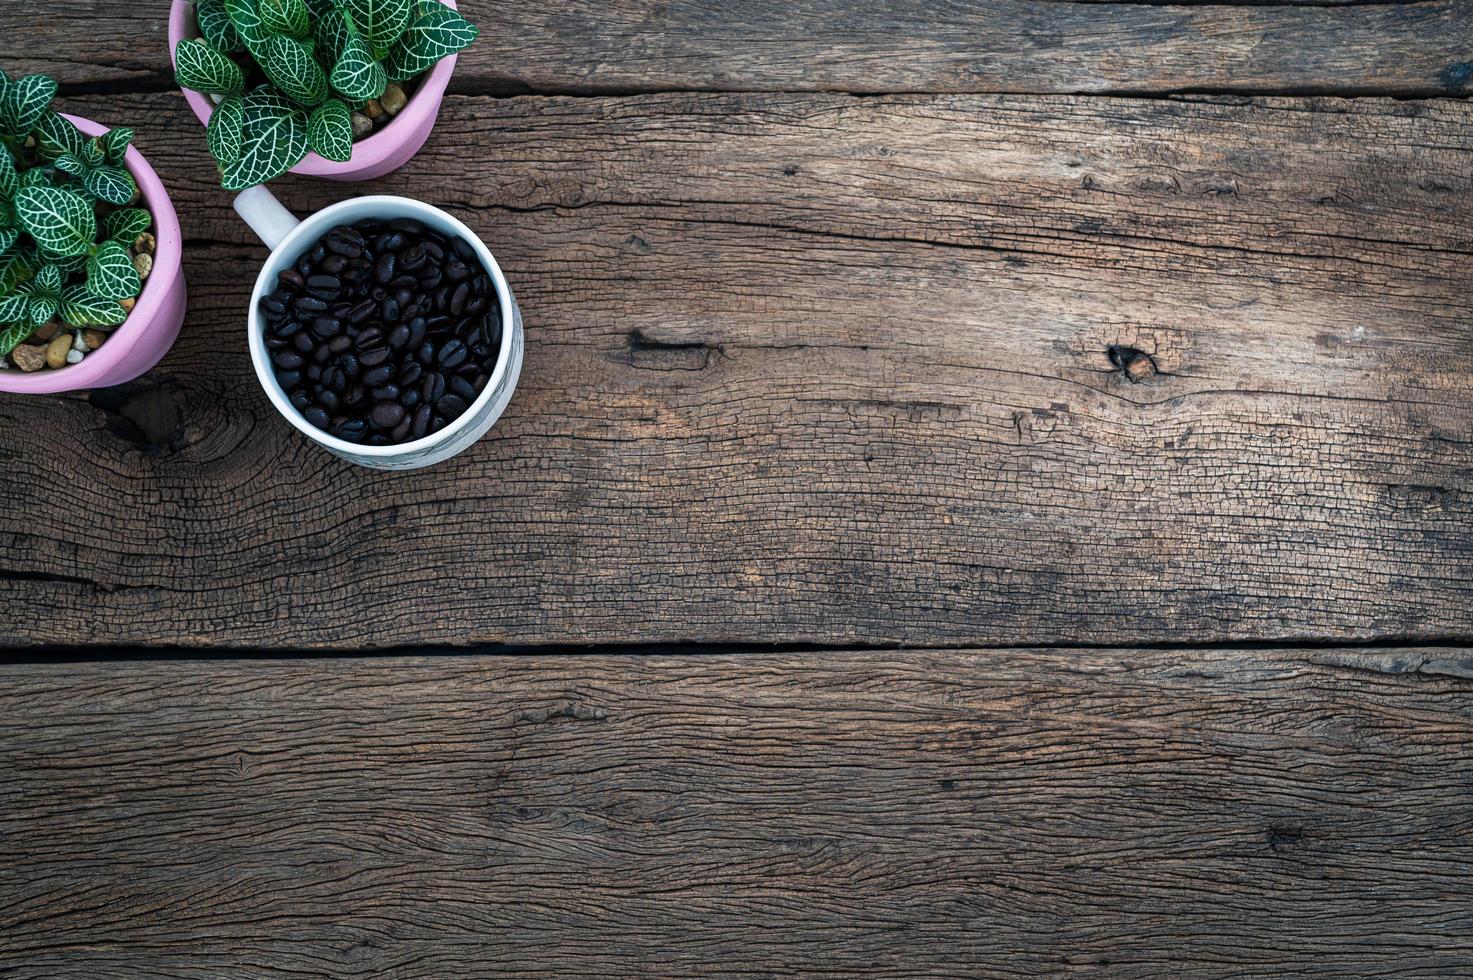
point(362, 125)
point(74, 356)
point(393, 98)
point(372, 334)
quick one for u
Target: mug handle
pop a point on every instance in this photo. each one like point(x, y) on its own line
point(263, 212)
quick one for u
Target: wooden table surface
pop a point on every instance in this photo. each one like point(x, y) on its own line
point(990, 493)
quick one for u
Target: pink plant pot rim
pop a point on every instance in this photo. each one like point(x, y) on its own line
point(369, 153)
point(94, 369)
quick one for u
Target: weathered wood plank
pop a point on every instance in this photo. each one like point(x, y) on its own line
point(1002, 813)
point(793, 387)
point(604, 46)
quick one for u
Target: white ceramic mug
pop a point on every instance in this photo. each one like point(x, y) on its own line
point(289, 238)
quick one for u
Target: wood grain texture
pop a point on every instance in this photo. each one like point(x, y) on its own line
point(604, 46)
point(1129, 813)
point(787, 386)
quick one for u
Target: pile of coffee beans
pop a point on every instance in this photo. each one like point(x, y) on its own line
point(384, 331)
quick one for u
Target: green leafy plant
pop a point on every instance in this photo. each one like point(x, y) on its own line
point(288, 75)
point(66, 220)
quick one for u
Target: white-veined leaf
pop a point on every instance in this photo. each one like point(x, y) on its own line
point(274, 140)
point(291, 68)
point(15, 268)
point(331, 35)
point(81, 309)
point(381, 22)
point(284, 17)
point(127, 224)
point(61, 221)
point(13, 310)
point(200, 67)
point(114, 144)
point(110, 273)
point(9, 177)
point(8, 238)
point(70, 163)
point(215, 26)
point(111, 184)
point(330, 131)
point(24, 101)
point(223, 134)
point(40, 309)
point(247, 21)
point(11, 336)
point(356, 74)
point(56, 135)
point(436, 33)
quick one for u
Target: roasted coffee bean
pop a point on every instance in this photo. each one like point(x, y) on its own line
point(321, 354)
point(310, 304)
point(349, 363)
point(459, 298)
point(317, 415)
point(480, 382)
point(452, 354)
point(437, 423)
point(333, 264)
point(324, 287)
point(386, 415)
point(463, 248)
point(369, 337)
point(426, 353)
point(304, 342)
point(433, 387)
point(314, 373)
point(416, 332)
point(357, 396)
point(408, 226)
point(276, 343)
point(399, 337)
point(441, 298)
point(335, 379)
point(304, 267)
point(288, 379)
point(390, 310)
point(375, 376)
point(300, 399)
point(421, 424)
point(405, 283)
point(326, 326)
point(318, 253)
point(286, 327)
point(328, 399)
point(433, 250)
point(410, 373)
point(362, 311)
point(389, 241)
point(340, 343)
point(476, 305)
point(386, 393)
point(272, 303)
point(291, 279)
point(287, 360)
point(460, 386)
point(351, 430)
point(412, 258)
point(401, 430)
point(339, 245)
point(431, 279)
point(450, 406)
point(409, 398)
point(383, 269)
point(456, 270)
point(373, 357)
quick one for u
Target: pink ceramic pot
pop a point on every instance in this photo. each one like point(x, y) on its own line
point(137, 344)
point(386, 150)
